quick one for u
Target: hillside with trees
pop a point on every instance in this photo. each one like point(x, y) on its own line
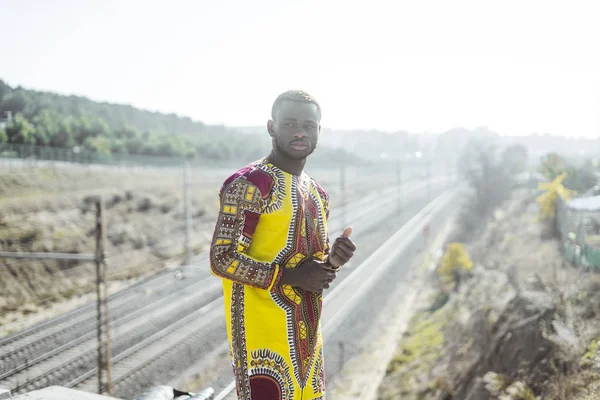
point(55, 120)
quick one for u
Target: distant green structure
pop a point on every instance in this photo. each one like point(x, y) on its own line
point(578, 223)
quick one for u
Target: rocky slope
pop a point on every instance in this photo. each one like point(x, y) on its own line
point(522, 325)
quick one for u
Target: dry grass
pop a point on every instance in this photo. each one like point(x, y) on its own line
point(45, 210)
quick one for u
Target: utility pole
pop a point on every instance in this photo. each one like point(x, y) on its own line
point(343, 188)
point(105, 385)
point(187, 205)
point(429, 179)
point(449, 173)
point(399, 182)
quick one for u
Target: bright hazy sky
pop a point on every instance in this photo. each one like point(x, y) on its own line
point(425, 66)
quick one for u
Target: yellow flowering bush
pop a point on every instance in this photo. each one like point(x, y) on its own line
point(455, 258)
point(548, 200)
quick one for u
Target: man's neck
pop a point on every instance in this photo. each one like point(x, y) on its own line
point(291, 166)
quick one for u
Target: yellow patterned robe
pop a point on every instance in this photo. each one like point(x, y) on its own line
point(270, 220)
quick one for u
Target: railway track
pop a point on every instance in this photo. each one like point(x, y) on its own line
point(347, 299)
point(60, 328)
point(136, 349)
point(75, 358)
point(42, 340)
point(31, 342)
point(150, 364)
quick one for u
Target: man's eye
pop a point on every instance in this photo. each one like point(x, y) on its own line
point(291, 125)
point(311, 127)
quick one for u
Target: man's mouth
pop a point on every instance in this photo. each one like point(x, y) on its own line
point(299, 145)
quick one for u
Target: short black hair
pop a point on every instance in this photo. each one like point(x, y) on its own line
point(294, 95)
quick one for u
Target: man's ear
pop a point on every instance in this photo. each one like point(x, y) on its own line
point(270, 129)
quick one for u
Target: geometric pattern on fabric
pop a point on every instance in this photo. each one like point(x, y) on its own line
point(241, 206)
point(238, 342)
point(318, 379)
point(270, 220)
point(267, 367)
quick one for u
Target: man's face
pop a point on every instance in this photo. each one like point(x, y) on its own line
point(295, 129)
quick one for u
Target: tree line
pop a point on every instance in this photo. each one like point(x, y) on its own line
point(579, 175)
point(50, 119)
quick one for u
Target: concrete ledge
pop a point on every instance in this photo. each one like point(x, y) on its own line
point(60, 393)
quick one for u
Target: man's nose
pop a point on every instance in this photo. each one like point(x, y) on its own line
point(300, 134)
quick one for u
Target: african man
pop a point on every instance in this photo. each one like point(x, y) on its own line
point(271, 249)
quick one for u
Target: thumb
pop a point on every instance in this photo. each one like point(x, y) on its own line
point(347, 232)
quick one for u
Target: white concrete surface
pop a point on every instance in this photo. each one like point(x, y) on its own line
point(5, 394)
point(60, 393)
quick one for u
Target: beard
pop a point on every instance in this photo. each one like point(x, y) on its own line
point(294, 156)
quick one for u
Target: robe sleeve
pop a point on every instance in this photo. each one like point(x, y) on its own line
point(326, 206)
point(240, 206)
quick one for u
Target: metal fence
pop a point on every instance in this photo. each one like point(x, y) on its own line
point(14, 154)
point(579, 234)
point(25, 154)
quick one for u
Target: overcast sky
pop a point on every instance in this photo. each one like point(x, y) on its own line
point(517, 67)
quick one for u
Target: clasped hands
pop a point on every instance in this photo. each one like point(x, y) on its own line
point(316, 275)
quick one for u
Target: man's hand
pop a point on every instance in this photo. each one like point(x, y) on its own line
point(311, 276)
point(342, 249)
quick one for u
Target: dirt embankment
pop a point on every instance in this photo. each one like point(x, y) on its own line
point(53, 210)
point(523, 325)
